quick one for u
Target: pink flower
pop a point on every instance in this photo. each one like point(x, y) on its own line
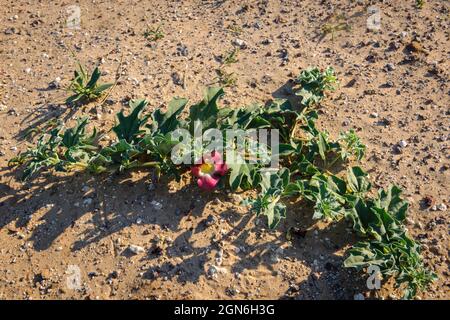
point(210, 171)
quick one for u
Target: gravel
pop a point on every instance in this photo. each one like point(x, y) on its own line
point(136, 249)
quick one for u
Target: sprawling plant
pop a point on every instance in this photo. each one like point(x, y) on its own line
point(146, 140)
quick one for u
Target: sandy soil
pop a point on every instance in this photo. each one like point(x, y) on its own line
point(392, 89)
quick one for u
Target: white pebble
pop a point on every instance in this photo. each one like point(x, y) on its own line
point(136, 249)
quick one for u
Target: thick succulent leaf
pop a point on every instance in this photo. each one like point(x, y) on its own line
point(168, 122)
point(129, 126)
point(73, 136)
point(391, 202)
point(239, 173)
point(358, 181)
point(206, 111)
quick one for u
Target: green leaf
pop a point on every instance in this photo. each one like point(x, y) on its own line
point(167, 122)
point(74, 98)
point(240, 173)
point(391, 202)
point(314, 83)
point(94, 78)
point(358, 181)
point(99, 89)
point(129, 126)
point(206, 111)
point(322, 145)
point(72, 136)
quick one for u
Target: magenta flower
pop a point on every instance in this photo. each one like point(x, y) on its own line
point(210, 171)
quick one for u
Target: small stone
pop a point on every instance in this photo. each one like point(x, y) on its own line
point(402, 144)
point(87, 201)
point(389, 84)
point(358, 296)
point(230, 291)
point(3, 107)
point(113, 275)
point(138, 221)
point(210, 220)
point(442, 207)
point(177, 79)
point(136, 249)
point(182, 50)
point(212, 271)
point(55, 83)
point(374, 115)
point(240, 43)
point(156, 205)
point(389, 67)
point(10, 31)
point(28, 70)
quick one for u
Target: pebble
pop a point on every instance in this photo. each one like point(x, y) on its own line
point(210, 220)
point(442, 207)
point(156, 205)
point(3, 107)
point(87, 201)
point(136, 249)
point(240, 43)
point(55, 83)
point(214, 270)
point(177, 79)
point(389, 67)
point(374, 115)
point(358, 296)
point(9, 31)
point(402, 144)
point(182, 50)
point(389, 84)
